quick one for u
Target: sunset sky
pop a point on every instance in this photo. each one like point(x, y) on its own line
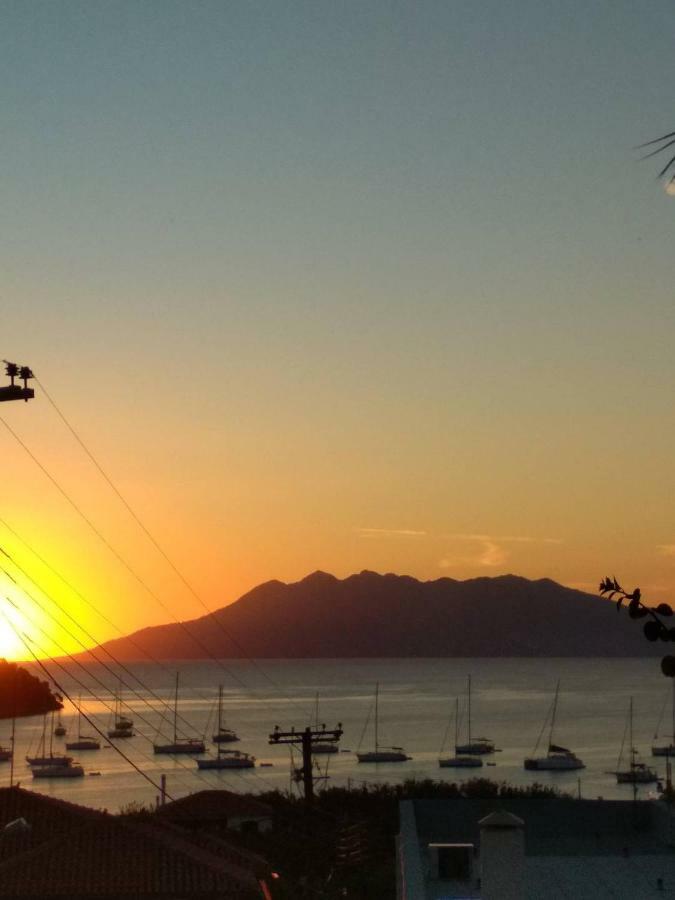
point(336, 285)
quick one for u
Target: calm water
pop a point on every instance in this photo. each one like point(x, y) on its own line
point(510, 700)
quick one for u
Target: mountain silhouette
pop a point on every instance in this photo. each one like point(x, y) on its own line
point(372, 615)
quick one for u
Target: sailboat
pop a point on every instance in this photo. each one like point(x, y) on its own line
point(319, 747)
point(389, 754)
point(557, 758)
point(223, 735)
point(60, 729)
point(474, 746)
point(187, 745)
point(43, 759)
point(6, 753)
point(458, 762)
point(667, 749)
point(82, 742)
point(68, 769)
point(637, 772)
point(228, 759)
point(123, 727)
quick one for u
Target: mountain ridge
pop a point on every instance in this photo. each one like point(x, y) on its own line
point(388, 615)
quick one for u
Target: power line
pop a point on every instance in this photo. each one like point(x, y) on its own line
point(126, 565)
point(99, 646)
point(90, 650)
point(156, 543)
point(81, 684)
point(99, 662)
point(26, 641)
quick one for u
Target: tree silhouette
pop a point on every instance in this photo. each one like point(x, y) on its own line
point(655, 629)
point(22, 694)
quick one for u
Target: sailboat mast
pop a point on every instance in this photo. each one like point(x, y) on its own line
point(553, 712)
point(377, 693)
point(175, 710)
point(220, 708)
point(630, 734)
point(316, 710)
point(468, 709)
point(456, 722)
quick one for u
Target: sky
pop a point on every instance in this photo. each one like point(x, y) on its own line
point(333, 285)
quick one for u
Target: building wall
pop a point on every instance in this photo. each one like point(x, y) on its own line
point(409, 866)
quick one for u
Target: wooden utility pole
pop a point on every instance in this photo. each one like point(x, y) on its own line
point(306, 738)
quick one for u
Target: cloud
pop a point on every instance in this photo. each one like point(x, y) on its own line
point(504, 539)
point(489, 551)
point(492, 554)
point(666, 549)
point(389, 532)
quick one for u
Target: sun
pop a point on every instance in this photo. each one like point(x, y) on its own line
point(11, 647)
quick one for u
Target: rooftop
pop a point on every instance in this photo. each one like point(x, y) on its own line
point(73, 852)
point(584, 849)
point(214, 806)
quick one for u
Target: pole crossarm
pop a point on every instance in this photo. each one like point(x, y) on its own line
point(306, 739)
point(329, 735)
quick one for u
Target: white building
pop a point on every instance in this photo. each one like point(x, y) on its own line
point(535, 849)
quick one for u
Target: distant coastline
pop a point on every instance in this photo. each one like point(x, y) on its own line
point(373, 616)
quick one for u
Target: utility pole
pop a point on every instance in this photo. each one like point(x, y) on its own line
point(306, 738)
point(14, 391)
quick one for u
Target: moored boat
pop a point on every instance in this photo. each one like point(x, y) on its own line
point(637, 772)
point(42, 758)
point(223, 735)
point(67, 770)
point(474, 746)
point(83, 742)
point(669, 748)
point(54, 759)
point(322, 747)
point(123, 726)
point(60, 730)
point(557, 759)
point(228, 759)
point(380, 754)
point(457, 761)
point(183, 745)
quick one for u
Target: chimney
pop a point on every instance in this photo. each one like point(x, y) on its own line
point(502, 856)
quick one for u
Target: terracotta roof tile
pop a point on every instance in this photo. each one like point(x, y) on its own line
point(74, 852)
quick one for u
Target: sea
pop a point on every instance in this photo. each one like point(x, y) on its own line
point(510, 701)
